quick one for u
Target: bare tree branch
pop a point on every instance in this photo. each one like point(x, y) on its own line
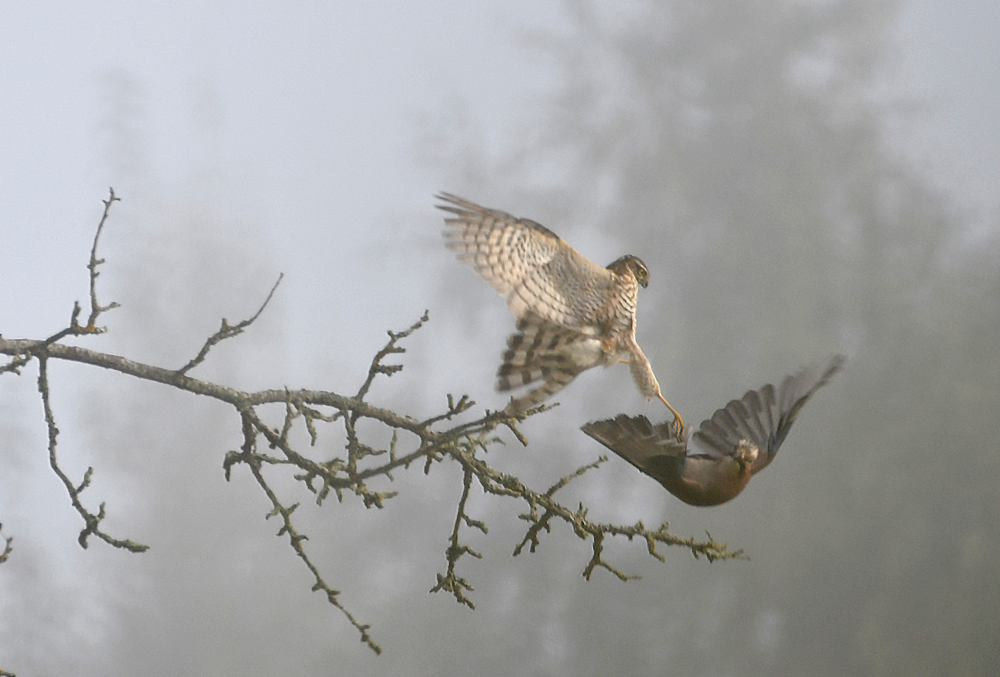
point(363, 468)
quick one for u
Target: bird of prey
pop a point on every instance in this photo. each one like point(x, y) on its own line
point(572, 314)
point(740, 439)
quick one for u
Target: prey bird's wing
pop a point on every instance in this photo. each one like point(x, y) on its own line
point(764, 416)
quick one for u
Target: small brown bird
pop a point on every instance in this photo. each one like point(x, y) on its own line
point(740, 439)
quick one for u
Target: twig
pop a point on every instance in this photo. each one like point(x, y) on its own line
point(91, 520)
point(15, 364)
point(228, 331)
point(390, 348)
point(95, 308)
point(7, 548)
point(75, 328)
point(457, 585)
point(454, 409)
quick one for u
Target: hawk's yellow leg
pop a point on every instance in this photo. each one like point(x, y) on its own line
point(677, 417)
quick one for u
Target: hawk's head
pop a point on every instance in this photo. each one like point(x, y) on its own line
point(634, 265)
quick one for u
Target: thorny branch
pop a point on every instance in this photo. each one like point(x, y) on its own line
point(413, 443)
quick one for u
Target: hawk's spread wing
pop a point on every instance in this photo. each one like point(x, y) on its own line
point(529, 265)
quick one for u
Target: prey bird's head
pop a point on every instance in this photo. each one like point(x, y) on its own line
point(745, 454)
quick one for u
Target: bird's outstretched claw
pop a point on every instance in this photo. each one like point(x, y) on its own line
point(678, 421)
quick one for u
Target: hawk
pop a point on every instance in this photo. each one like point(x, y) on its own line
point(572, 314)
point(740, 439)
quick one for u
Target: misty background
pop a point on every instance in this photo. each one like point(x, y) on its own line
point(801, 178)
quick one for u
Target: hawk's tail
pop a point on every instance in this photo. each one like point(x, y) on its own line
point(539, 351)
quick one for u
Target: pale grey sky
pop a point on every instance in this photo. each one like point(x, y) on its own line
point(950, 62)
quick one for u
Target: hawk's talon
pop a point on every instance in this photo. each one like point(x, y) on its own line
point(678, 421)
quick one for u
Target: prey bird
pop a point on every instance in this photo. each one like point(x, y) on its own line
point(737, 442)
